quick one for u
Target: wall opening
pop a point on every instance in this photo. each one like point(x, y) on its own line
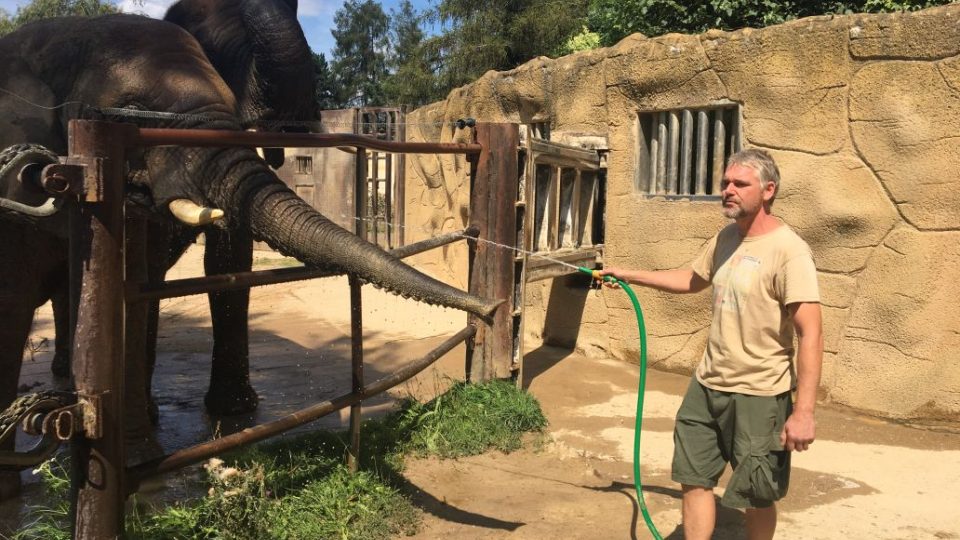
point(682, 153)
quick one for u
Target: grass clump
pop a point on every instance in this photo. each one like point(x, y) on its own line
point(298, 488)
point(470, 419)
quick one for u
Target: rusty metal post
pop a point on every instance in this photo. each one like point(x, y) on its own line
point(356, 360)
point(356, 312)
point(97, 489)
point(494, 182)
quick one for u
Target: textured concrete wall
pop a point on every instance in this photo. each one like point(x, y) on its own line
point(862, 112)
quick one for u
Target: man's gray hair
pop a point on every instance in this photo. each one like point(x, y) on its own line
point(762, 162)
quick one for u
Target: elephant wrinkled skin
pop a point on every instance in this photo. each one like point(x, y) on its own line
point(124, 61)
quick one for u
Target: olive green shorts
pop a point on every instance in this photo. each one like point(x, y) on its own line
point(714, 428)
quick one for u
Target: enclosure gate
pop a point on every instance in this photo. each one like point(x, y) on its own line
point(94, 173)
point(559, 220)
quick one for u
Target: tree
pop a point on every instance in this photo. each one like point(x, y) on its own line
point(413, 79)
point(42, 9)
point(501, 34)
point(359, 57)
point(615, 19)
point(325, 83)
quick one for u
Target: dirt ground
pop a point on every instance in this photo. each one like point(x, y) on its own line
point(862, 478)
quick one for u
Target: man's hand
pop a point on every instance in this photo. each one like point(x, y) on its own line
point(798, 432)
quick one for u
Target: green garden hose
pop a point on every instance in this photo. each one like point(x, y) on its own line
point(642, 386)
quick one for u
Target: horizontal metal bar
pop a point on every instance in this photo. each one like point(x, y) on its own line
point(200, 452)
point(213, 137)
point(243, 280)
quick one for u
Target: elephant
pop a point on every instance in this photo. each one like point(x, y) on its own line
point(65, 68)
point(258, 48)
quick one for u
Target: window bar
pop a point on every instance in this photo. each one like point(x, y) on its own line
point(574, 224)
point(553, 222)
point(661, 152)
point(734, 130)
point(654, 152)
point(686, 156)
point(388, 185)
point(719, 140)
point(702, 131)
point(374, 196)
point(673, 152)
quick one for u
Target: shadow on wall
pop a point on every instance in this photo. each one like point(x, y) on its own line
point(568, 296)
point(561, 326)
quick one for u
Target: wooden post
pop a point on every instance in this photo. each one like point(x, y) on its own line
point(97, 487)
point(494, 181)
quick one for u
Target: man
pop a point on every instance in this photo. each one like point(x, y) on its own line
point(738, 407)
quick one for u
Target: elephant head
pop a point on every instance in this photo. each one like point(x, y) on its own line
point(258, 48)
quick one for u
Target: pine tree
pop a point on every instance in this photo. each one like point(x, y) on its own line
point(360, 54)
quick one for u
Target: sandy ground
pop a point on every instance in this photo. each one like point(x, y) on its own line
point(862, 478)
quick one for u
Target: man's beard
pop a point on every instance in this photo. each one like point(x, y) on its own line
point(734, 212)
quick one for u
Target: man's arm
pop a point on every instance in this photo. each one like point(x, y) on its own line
point(799, 430)
point(681, 280)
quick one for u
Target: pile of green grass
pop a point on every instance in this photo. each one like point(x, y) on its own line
point(298, 488)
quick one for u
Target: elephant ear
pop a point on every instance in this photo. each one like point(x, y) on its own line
point(292, 4)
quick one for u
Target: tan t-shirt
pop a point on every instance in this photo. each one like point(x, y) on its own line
point(750, 348)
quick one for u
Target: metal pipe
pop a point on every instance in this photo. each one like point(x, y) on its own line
point(213, 137)
point(356, 364)
point(241, 280)
point(200, 452)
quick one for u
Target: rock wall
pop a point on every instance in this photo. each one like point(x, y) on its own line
point(862, 113)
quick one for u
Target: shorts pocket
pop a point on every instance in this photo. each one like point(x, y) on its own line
point(756, 479)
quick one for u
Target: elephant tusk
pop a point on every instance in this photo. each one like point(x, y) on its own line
point(193, 214)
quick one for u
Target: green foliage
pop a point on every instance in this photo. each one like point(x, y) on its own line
point(500, 34)
point(615, 19)
point(412, 62)
point(470, 419)
point(48, 523)
point(325, 83)
point(584, 41)
point(298, 488)
point(360, 55)
point(42, 9)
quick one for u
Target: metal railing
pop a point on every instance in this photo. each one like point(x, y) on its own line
point(94, 174)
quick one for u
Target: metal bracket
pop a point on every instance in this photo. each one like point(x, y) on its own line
point(80, 177)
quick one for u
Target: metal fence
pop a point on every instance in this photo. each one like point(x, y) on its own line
point(93, 174)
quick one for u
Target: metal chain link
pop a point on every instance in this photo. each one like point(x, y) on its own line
point(30, 403)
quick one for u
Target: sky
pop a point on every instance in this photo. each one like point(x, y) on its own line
point(316, 16)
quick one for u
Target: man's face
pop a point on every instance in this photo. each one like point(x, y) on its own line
point(741, 192)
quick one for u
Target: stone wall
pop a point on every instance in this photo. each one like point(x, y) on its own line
point(862, 112)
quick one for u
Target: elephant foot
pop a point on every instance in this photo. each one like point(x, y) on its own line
point(9, 485)
point(140, 449)
point(230, 399)
point(60, 367)
point(153, 411)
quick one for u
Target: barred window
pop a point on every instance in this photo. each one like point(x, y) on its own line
point(682, 153)
point(304, 165)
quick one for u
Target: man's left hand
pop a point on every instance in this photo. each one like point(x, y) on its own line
point(798, 432)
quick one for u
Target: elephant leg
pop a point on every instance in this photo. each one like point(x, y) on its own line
point(137, 398)
point(230, 391)
point(17, 318)
point(60, 367)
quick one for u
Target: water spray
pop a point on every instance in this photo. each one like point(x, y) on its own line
point(642, 386)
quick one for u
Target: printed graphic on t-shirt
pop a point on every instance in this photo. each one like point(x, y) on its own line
point(736, 281)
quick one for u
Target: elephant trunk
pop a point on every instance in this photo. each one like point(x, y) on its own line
point(282, 219)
